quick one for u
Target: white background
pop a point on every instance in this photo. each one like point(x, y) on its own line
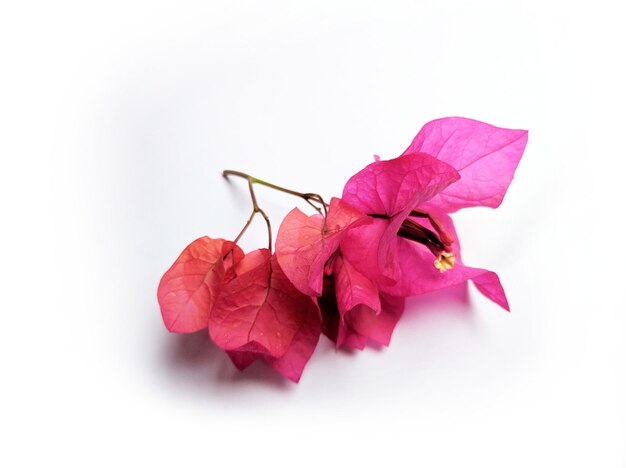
point(116, 120)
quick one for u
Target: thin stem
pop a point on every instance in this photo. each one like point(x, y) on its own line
point(255, 205)
point(255, 209)
point(245, 227)
point(307, 197)
point(269, 228)
point(318, 199)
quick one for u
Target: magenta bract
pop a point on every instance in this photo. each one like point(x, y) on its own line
point(476, 166)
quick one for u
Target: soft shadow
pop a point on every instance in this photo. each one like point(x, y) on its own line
point(452, 302)
point(194, 360)
point(458, 294)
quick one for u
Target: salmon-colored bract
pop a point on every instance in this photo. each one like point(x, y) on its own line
point(190, 287)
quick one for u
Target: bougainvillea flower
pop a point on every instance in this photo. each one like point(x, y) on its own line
point(189, 288)
point(260, 313)
point(304, 244)
point(388, 191)
point(346, 274)
point(412, 244)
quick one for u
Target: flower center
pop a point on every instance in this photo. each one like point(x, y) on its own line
point(438, 242)
point(444, 261)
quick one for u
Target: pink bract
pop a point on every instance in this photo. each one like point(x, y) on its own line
point(390, 187)
point(485, 156)
point(477, 157)
point(417, 274)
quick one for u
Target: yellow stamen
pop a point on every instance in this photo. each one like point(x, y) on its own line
point(444, 261)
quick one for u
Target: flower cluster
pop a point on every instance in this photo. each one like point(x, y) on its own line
point(346, 270)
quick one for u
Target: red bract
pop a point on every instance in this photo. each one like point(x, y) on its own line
point(363, 323)
point(364, 313)
point(354, 327)
point(352, 288)
point(189, 288)
point(261, 314)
